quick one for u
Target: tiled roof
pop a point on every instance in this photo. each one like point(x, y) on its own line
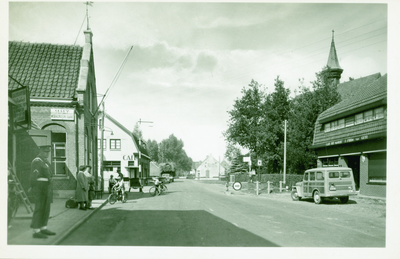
point(357, 93)
point(48, 70)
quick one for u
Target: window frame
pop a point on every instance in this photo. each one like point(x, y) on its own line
point(114, 144)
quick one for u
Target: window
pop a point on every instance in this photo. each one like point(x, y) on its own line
point(110, 165)
point(59, 158)
point(104, 144)
point(333, 174)
point(359, 118)
point(378, 113)
point(349, 121)
point(312, 176)
point(345, 175)
point(115, 144)
point(334, 125)
point(327, 127)
point(330, 161)
point(340, 124)
point(305, 177)
point(368, 115)
point(319, 176)
point(377, 167)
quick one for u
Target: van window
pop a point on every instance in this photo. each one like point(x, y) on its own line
point(345, 174)
point(319, 175)
point(305, 177)
point(333, 174)
point(312, 176)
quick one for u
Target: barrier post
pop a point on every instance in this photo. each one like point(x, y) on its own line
point(257, 188)
point(269, 187)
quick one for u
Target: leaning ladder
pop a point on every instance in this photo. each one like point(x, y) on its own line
point(20, 191)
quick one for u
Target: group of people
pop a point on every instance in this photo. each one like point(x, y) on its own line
point(85, 191)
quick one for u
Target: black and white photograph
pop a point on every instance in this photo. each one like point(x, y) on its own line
point(199, 129)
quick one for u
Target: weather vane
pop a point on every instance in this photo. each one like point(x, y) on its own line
point(87, 12)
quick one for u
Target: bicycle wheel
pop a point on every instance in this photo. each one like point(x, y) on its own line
point(125, 198)
point(112, 198)
point(164, 188)
point(153, 191)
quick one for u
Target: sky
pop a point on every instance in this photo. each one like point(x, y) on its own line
point(186, 63)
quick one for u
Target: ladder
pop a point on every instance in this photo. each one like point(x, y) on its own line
point(19, 190)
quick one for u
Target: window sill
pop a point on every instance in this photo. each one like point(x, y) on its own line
point(376, 183)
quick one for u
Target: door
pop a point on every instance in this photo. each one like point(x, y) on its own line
point(306, 184)
point(354, 163)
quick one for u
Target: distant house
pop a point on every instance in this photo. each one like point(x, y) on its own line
point(61, 85)
point(122, 152)
point(353, 133)
point(210, 168)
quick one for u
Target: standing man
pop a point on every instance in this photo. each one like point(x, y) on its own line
point(82, 188)
point(90, 180)
point(41, 186)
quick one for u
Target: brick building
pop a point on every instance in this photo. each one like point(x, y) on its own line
point(353, 132)
point(62, 87)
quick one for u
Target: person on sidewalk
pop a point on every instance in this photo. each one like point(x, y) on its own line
point(111, 183)
point(82, 188)
point(90, 180)
point(41, 187)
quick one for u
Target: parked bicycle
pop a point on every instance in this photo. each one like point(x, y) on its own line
point(158, 188)
point(117, 195)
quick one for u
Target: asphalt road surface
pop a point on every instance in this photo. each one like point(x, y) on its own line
point(196, 214)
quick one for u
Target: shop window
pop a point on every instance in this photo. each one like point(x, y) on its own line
point(359, 118)
point(377, 167)
point(110, 165)
point(330, 161)
point(131, 163)
point(378, 113)
point(368, 115)
point(349, 121)
point(340, 124)
point(115, 144)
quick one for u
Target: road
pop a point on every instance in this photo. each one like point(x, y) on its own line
point(196, 214)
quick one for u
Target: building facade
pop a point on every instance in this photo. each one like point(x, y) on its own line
point(210, 168)
point(62, 94)
point(122, 152)
point(353, 132)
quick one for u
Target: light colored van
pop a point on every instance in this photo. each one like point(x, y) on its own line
point(325, 182)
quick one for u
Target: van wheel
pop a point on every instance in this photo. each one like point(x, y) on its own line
point(317, 197)
point(344, 199)
point(295, 196)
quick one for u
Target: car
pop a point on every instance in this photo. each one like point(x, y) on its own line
point(325, 182)
point(168, 178)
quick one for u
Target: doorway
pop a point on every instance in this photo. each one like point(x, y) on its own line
point(354, 163)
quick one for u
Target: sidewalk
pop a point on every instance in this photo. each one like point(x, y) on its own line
point(62, 221)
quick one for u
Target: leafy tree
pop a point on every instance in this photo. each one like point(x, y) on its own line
point(305, 109)
point(152, 148)
point(245, 123)
point(232, 151)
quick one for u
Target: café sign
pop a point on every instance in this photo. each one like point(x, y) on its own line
point(62, 114)
point(348, 140)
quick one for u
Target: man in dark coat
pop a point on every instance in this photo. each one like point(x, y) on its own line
point(41, 186)
point(82, 188)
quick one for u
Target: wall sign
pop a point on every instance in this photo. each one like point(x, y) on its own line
point(21, 111)
point(348, 140)
point(62, 114)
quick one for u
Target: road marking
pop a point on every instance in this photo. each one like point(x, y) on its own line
point(211, 209)
point(235, 224)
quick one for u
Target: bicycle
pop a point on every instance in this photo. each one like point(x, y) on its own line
point(158, 189)
point(116, 195)
point(13, 201)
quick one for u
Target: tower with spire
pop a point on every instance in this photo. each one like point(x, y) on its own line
point(335, 71)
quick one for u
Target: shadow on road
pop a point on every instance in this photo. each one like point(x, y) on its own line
point(334, 201)
point(198, 228)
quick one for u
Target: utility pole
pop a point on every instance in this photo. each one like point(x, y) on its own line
point(284, 157)
point(102, 150)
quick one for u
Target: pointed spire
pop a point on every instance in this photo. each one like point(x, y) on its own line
point(333, 61)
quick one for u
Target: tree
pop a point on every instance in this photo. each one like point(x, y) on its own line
point(245, 122)
point(232, 151)
point(304, 111)
point(137, 131)
point(152, 148)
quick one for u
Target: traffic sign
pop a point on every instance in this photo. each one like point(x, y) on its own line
point(237, 186)
point(259, 162)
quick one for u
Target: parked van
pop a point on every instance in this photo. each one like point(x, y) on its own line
point(325, 182)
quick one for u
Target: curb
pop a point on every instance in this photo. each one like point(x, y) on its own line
point(76, 225)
